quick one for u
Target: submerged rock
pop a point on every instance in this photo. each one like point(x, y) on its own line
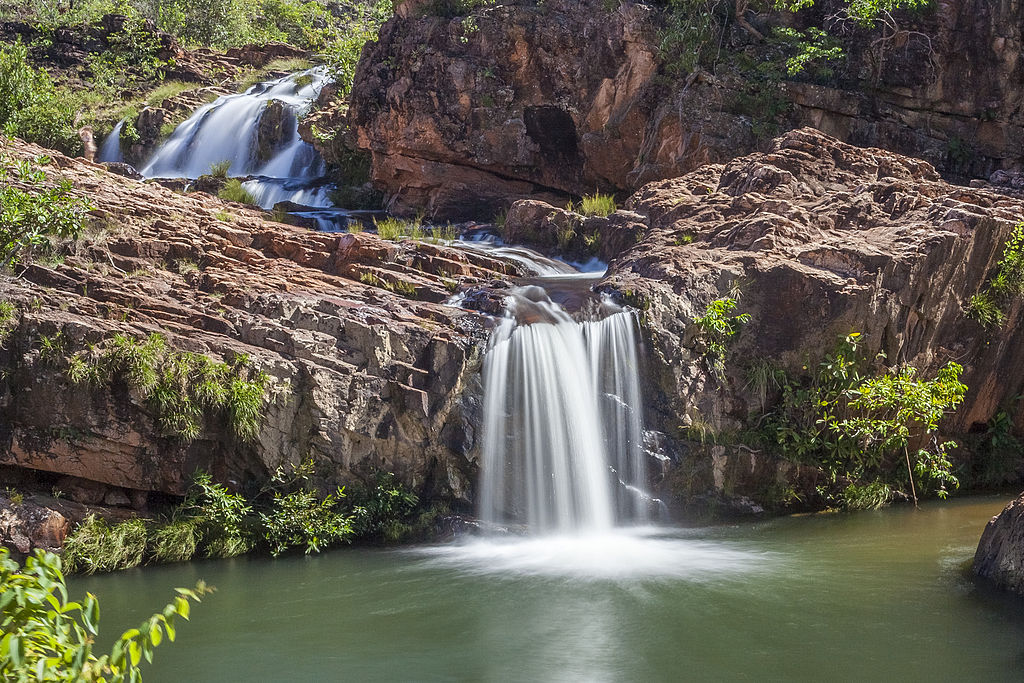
point(1000, 554)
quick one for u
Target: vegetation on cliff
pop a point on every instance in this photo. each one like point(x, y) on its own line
point(287, 513)
point(47, 637)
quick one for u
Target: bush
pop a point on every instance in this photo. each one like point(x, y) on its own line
point(96, 546)
point(860, 429)
point(989, 305)
point(48, 638)
point(32, 107)
point(234, 192)
point(180, 387)
point(31, 219)
point(717, 328)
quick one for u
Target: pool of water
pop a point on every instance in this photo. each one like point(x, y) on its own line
point(866, 596)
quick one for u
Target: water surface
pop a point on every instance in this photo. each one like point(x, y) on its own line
point(867, 596)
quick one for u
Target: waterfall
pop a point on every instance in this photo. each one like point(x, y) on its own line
point(229, 129)
point(111, 149)
point(562, 419)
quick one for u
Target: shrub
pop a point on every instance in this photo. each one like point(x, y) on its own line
point(97, 546)
point(860, 429)
point(48, 638)
point(234, 192)
point(1006, 283)
point(31, 219)
point(180, 387)
point(717, 328)
point(32, 107)
point(381, 511)
point(8, 320)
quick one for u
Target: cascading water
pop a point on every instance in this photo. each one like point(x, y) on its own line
point(111, 149)
point(227, 129)
point(562, 419)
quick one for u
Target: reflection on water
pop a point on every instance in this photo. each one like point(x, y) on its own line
point(859, 597)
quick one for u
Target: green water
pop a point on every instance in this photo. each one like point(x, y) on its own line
point(859, 597)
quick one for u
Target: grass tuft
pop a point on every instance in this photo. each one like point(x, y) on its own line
point(597, 204)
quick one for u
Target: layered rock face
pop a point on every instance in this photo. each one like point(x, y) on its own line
point(523, 98)
point(816, 239)
point(362, 378)
point(1000, 555)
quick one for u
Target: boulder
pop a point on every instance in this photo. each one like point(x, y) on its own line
point(1000, 554)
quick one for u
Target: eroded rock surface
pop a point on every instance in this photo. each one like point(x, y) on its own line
point(362, 378)
point(520, 98)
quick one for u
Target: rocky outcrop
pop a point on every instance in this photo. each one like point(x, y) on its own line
point(817, 239)
point(520, 98)
point(1000, 555)
point(369, 371)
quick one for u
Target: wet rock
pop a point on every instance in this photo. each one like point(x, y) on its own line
point(122, 169)
point(1000, 554)
point(274, 130)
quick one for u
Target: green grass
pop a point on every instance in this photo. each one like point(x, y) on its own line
point(175, 541)
point(289, 64)
point(96, 546)
point(355, 227)
point(395, 228)
point(597, 204)
point(223, 216)
point(166, 90)
point(8, 320)
point(983, 308)
point(181, 388)
point(234, 192)
point(220, 169)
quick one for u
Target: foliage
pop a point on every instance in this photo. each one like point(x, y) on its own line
point(46, 637)
point(597, 204)
point(812, 47)
point(861, 428)
point(31, 219)
point(989, 305)
point(178, 386)
point(298, 517)
point(716, 328)
point(342, 44)
point(8, 320)
point(234, 192)
point(96, 546)
point(221, 516)
point(131, 58)
point(32, 107)
point(380, 511)
point(691, 36)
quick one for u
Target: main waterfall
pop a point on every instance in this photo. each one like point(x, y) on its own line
point(562, 419)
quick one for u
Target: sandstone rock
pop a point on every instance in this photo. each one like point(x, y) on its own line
point(363, 379)
point(462, 114)
point(1000, 554)
point(26, 525)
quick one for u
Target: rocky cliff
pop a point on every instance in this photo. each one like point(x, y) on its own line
point(816, 239)
point(368, 371)
point(520, 99)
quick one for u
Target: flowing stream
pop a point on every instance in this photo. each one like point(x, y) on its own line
point(868, 596)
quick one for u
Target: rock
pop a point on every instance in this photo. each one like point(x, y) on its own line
point(819, 238)
point(122, 169)
point(274, 129)
point(462, 114)
point(364, 379)
point(25, 525)
point(1000, 554)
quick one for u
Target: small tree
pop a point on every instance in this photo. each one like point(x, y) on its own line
point(47, 638)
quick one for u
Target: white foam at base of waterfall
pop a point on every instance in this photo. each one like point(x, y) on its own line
point(624, 554)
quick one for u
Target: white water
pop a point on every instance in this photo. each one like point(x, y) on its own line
point(562, 420)
point(227, 130)
point(111, 149)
